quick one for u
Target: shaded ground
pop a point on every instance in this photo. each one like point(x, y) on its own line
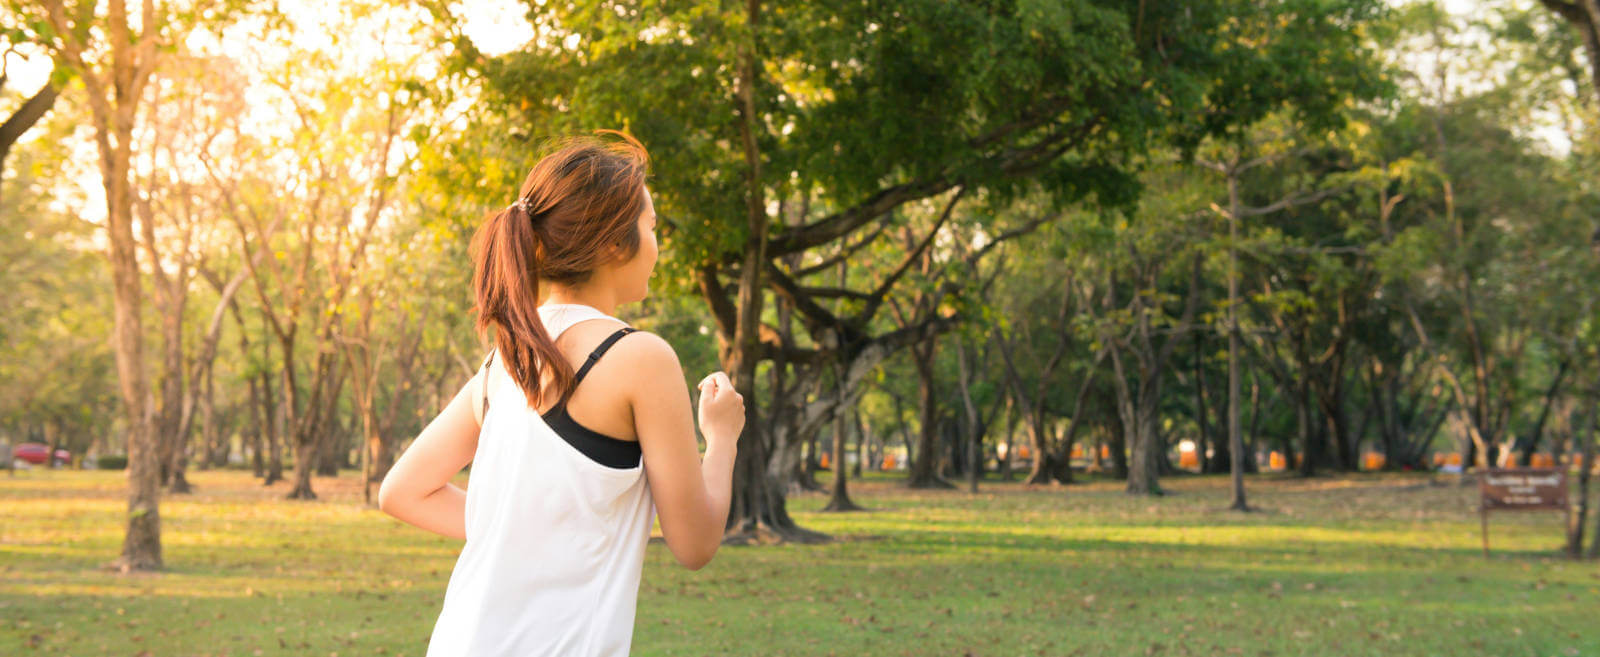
point(1348, 566)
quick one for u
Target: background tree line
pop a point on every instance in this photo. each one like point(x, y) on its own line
point(1090, 232)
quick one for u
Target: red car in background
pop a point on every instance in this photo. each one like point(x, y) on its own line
point(37, 454)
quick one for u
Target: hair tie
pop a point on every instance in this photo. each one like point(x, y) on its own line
point(526, 208)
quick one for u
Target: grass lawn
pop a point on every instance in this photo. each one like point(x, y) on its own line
point(1347, 566)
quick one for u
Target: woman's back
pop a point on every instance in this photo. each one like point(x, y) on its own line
point(555, 538)
point(558, 512)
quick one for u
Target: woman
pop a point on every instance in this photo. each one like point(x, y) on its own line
point(578, 426)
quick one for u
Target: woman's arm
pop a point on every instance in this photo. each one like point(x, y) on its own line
point(691, 493)
point(417, 489)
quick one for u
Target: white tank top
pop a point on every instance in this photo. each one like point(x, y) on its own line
point(555, 541)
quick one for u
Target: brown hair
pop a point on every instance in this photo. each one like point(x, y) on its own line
point(579, 202)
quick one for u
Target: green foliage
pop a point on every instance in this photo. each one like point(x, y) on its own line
point(1055, 97)
point(56, 368)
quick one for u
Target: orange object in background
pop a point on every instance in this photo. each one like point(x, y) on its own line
point(1275, 461)
point(1373, 461)
point(824, 462)
point(888, 462)
point(1452, 459)
point(1077, 451)
point(1105, 451)
point(1189, 460)
point(1542, 460)
point(1023, 452)
point(1438, 459)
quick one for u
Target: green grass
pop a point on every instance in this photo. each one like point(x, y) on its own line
point(1349, 566)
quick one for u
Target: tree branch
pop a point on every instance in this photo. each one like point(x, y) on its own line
point(24, 118)
point(875, 298)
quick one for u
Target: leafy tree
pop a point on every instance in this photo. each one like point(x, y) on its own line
point(869, 107)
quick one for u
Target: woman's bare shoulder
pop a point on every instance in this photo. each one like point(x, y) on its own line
point(647, 351)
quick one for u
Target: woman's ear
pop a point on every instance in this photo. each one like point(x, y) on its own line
point(615, 254)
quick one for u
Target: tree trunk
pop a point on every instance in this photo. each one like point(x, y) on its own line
point(305, 458)
point(974, 439)
point(1096, 461)
point(861, 439)
point(1531, 445)
point(304, 426)
point(1201, 419)
point(758, 511)
point(1117, 440)
point(310, 428)
point(253, 431)
point(903, 427)
point(1250, 462)
point(953, 463)
point(1235, 432)
point(331, 452)
point(273, 426)
point(180, 465)
point(305, 462)
point(1579, 509)
point(141, 547)
point(1004, 463)
point(839, 496)
point(210, 436)
point(168, 419)
point(378, 455)
point(1235, 438)
point(924, 463)
point(810, 465)
point(1311, 447)
point(1145, 470)
point(1138, 418)
point(758, 502)
point(1039, 441)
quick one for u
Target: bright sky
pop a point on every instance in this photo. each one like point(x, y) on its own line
point(496, 26)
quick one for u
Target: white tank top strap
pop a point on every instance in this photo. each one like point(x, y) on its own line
point(558, 317)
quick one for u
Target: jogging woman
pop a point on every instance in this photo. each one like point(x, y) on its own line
point(578, 427)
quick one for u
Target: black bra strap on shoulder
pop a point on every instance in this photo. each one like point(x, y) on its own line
point(598, 351)
point(486, 363)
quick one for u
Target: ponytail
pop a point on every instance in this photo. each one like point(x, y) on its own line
point(508, 251)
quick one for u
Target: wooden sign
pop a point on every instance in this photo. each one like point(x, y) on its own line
point(1520, 489)
point(1524, 489)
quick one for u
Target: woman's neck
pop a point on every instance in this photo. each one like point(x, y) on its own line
point(597, 299)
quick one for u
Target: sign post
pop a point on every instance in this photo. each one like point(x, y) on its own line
point(1520, 489)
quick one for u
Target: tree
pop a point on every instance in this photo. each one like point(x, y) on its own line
point(1145, 330)
point(194, 109)
point(1584, 17)
point(875, 106)
point(348, 131)
point(114, 83)
point(1053, 296)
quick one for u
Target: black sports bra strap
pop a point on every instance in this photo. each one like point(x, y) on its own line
point(598, 351)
